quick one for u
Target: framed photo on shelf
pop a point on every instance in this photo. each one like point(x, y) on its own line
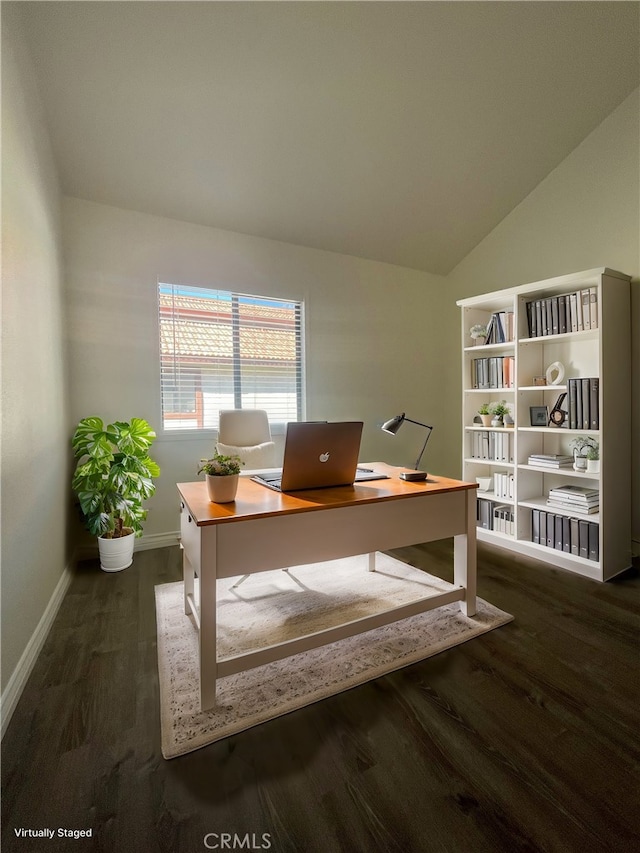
point(539, 415)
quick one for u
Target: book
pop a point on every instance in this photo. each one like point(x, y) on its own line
point(570, 489)
point(589, 510)
point(575, 536)
point(573, 313)
point(562, 314)
point(555, 315)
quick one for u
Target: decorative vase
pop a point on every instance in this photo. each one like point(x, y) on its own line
point(593, 466)
point(486, 420)
point(222, 489)
point(479, 342)
point(116, 554)
point(496, 421)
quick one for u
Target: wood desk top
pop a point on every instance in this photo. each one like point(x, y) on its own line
point(255, 500)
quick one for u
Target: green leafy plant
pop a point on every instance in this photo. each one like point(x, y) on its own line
point(484, 409)
point(593, 453)
point(478, 331)
point(114, 474)
point(499, 410)
point(220, 466)
point(582, 444)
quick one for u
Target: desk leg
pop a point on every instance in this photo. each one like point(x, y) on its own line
point(372, 562)
point(187, 581)
point(208, 607)
point(465, 558)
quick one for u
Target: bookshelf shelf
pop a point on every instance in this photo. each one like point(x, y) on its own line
point(546, 326)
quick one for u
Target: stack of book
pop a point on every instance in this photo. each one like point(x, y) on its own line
point(578, 499)
point(550, 460)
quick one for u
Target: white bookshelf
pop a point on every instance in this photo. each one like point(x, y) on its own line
point(603, 352)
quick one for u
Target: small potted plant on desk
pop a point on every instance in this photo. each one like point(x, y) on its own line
point(222, 474)
point(113, 477)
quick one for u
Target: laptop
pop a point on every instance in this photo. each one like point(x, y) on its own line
point(318, 455)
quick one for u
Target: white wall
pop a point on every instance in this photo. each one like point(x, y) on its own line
point(373, 337)
point(34, 412)
point(585, 214)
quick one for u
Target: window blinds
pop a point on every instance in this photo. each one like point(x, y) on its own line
point(223, 350)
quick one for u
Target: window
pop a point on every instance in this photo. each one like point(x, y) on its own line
point(221, 350)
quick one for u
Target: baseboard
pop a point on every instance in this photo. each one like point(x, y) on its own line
point(144, 543)
point(18, 680)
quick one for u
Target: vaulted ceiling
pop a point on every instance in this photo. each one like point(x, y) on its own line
point(397, 131)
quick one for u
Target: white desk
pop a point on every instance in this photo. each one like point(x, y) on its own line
point(264, 530)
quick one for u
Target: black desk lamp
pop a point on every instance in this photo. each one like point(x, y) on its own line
point(392, 428)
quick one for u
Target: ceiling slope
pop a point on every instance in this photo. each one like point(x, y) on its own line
point(400, 132)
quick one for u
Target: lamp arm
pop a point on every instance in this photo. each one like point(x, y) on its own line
point(424, 446)
point(419, 423)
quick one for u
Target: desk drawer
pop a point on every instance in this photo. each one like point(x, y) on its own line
point(190, 537)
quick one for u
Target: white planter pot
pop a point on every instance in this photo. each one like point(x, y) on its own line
point(116, 554)
point(486, 420)
point(222, 490)
point(579, 463)
point(593, 466)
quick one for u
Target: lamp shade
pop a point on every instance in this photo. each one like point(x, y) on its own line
point(392, 426)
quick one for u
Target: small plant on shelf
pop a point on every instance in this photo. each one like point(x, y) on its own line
point(478, 333)
point(220, 466)
point(499, 410)
point(483, 409)
point(593, 453)
point(582, 444)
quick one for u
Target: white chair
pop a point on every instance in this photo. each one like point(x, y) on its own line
point(246, 433)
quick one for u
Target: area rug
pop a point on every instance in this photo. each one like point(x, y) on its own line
point(270, 607)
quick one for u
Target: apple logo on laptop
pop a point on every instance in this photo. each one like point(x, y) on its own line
point(324, 457)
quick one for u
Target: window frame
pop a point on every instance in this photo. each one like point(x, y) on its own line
point(278, 427)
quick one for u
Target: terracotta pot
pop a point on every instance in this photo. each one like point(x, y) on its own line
point(222, 490)
point(486, 420)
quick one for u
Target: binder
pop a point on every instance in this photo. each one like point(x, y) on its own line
point(543, 527)
point(562, 314)
point(579, 326)
point(551, 529)
point(575, 536)
point(584, 538)
point(566, 534)
point(539, 325)
point(555, 315)
point(558, 540)
point(549, 316)
point(578, 404)
point(586, 315)
point(594, 541)
point(594, 405)
point(586, 396)
point(593, 306)
point(535, 526)
point(573, 313)
point(573, 402)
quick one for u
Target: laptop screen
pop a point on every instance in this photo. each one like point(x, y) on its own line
point(320, 454)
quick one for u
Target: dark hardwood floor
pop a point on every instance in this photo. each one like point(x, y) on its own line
point(525, 739)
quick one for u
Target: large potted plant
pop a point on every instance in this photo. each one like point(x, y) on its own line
point(113, 477)
point(222, 474)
